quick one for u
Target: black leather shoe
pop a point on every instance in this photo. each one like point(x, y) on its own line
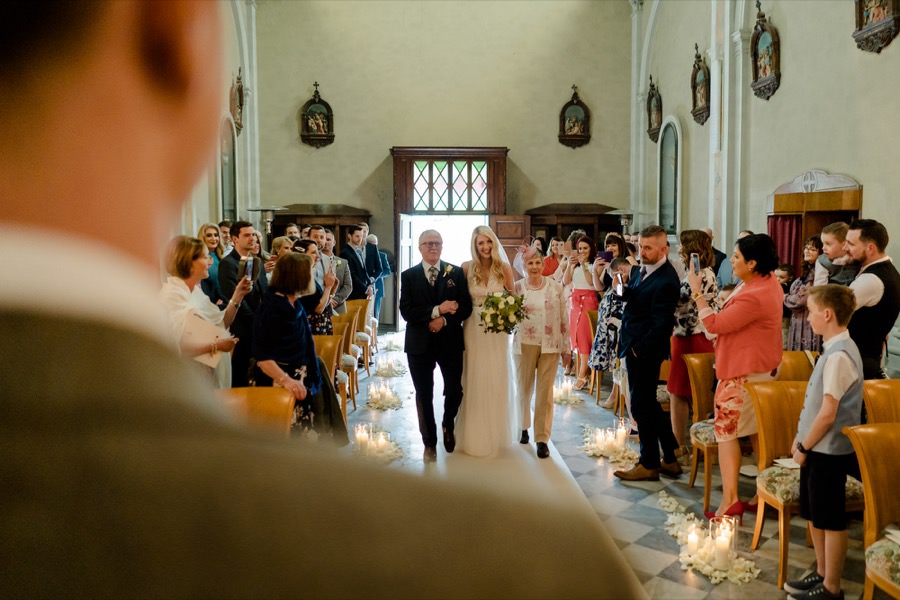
point(542, 450)
point(430, 454)
point(449, 440)
point(524, 438)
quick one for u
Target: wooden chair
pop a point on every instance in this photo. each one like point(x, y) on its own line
point(797, 365)
point(342, 378)
point(265, 407)
point(328, 348)
point(703, 439)
point(348, 359)
point(872, 443)
point(882, 399)
point(778, 405)
point(596, 376)
point(363, 338)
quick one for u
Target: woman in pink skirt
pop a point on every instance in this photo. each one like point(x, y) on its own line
point(584, 298)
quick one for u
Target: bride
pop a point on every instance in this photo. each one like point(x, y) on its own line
point(485, 423)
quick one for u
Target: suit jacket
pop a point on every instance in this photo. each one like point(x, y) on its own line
point(342, 272)
point(385, 271)
point(374, 267)
point(128, 478)
point(418, 299)
point(359, 276)
point(649, 315)
point(242, 326)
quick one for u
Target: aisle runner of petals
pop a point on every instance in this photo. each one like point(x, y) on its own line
point(375, 445)
point(680, 525)
point(600, 442)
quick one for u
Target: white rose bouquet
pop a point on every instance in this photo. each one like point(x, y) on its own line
point(502, 312)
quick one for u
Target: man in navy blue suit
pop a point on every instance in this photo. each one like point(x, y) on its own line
point(647, 324)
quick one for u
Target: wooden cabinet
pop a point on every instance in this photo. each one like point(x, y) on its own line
point(562, 219)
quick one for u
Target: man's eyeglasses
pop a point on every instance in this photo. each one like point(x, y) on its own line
point(432, 244)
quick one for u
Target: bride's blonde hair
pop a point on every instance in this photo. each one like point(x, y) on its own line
point(496, 268)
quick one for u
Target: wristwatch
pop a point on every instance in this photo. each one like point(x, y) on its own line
point(801, 448)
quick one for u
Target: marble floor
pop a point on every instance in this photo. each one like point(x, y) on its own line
point(630, 511)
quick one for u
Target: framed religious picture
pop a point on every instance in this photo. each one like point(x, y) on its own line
point(700, 88)
point(574, 122)
point(877, 23)
point(316, 121)
point(654, 111)
point(765, 57)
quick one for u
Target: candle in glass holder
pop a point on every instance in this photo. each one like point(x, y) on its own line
point(381, 441)
point(721, 558)
point(693, 542)
point(362, 437)
point(621, 435)
point(566, 390)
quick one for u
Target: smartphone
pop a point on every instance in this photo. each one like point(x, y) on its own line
point(606, 255)
point(248, 268)
point(618, 286)
point(695, 262)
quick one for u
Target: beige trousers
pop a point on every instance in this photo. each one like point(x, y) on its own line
point(529, 363)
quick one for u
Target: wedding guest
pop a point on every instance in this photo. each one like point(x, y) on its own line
point(285, 353)
point(720, 256)
point(354, 252)
point(834, 400)
point(800, 333)
point(748, 348)
point(281, 246)
point(834, 264)
point(385, 270)
point(304, 231)
point(551, 261)
point(209, 233)
point(615, 244)
point(647, 322)
point(318, 304)
point(536, 347)
point(785, 276)
point(726, 276)
point(225, 236)
point(725, 292)
point(187, 263)
point(584, 298)
point(688, 336)
point(605, 349)
point(126, 475)
point(290, 230)
point(567, 254)
point(259, 251)
point(341, 269)
point(877, 292)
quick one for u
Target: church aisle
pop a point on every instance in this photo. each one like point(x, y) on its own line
point(630, 510)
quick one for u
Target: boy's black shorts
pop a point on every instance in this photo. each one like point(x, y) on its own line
point(823, 495)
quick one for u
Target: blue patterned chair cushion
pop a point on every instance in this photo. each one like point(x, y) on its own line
point(784, 484)
point(703, 432)
point(883, 557)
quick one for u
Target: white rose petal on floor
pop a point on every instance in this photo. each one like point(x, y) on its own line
point(707, 548)
point(388, 367)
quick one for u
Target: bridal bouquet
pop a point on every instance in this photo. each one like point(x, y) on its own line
point(502, 312)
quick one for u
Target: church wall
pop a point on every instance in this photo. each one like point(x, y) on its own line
point(678, 26)
point(837, 109)
point(443, 74)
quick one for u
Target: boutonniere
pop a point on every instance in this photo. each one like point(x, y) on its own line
point(337, 262)
point(447, 270)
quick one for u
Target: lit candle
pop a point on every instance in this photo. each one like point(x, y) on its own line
point(599, 438)
point(621, 434)
point(362, 438)
point(723, 547)
point(693, 542)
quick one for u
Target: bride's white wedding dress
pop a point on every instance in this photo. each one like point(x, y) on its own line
point(485, 422)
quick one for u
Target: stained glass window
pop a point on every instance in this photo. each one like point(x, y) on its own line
point(458, 186)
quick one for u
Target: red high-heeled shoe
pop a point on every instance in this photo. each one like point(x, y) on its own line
point(735, 510)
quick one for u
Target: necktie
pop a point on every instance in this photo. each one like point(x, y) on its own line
point(643, 273)
point(432, 275)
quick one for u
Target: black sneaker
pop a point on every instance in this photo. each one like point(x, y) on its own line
point(799, 586)
point(819, 592)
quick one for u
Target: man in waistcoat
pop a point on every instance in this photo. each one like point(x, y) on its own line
point(877, 292)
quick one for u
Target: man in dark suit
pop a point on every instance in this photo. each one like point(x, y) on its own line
point(434, 301)
point(354, 252)
point(373, 262)
point(372, 240)
point(647, 324)
point(229, 275)
point(719, 256)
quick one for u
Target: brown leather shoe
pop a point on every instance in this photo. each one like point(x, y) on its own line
point(430, 454)
point(672, 469)
point(638, 473)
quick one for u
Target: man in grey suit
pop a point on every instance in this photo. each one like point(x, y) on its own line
point(123, 476)
point(341, 271)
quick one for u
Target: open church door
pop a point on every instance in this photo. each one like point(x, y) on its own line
point(406, 257)
point(512, 230)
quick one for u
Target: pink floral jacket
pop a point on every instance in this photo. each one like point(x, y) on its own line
point(555, 335)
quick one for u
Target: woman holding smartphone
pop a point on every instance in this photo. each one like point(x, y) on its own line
point(689, 336)
point(584, 297)
point(615, 248)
